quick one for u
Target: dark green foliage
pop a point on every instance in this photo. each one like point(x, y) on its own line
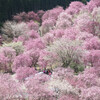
point(11, 7)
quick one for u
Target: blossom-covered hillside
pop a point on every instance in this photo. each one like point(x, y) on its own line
point(52, 55)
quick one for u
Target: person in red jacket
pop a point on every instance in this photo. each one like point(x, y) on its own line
point(47, 71)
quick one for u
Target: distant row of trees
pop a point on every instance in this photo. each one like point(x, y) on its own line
point(11, 7)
